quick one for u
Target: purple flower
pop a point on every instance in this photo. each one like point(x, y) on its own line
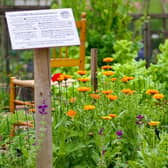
point(119, 133)
point(42, 108)
point(139, 117)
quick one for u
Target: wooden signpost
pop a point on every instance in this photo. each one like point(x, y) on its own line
point(40, 30)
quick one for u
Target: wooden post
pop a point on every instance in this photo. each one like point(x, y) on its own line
point(147, 43)
point(94, 68)
point(12, 95)
point(43, 107)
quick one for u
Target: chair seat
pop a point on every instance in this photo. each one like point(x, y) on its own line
point(24, 83)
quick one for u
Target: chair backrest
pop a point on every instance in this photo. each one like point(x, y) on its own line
point(60, 55)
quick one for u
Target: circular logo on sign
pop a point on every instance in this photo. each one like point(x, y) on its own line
point(65, 14)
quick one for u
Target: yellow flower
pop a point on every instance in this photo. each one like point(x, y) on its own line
point(83, 89)
point(153, 123)
point(158, 96)
point(106, 117)
point(112, 97)
point(108, 59)
point(71, 113)
point(108, 73)
point(152, 91)
point(89, 107)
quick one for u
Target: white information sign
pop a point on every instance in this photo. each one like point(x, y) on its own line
point(42, 28)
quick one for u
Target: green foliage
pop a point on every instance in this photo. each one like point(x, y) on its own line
point(159, 71)
point(124, 51)
point(107, 21)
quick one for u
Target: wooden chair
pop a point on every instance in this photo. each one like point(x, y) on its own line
point(60, 58)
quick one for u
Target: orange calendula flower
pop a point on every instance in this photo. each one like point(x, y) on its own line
point(95, 96)
point(128, 91)
point(152, 91)
point(61, 78)
point(108, 73)
point(83, 79)
point(112, 97)
point(71, 113)
point(107, 91)
point(67, 77)
point(158, 96)
point(153, 123)
point(89, 107)
point(106, 67)
point(72, 100)
point(113, 79)
point(83, 89)
point(108, 59)
point(112, 115)
point(81, 72)
point(106, 117)
point(127, 78)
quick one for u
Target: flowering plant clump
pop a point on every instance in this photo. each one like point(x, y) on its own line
point(99, 125)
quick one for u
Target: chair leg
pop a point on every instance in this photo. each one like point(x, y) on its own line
point(12, 95)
